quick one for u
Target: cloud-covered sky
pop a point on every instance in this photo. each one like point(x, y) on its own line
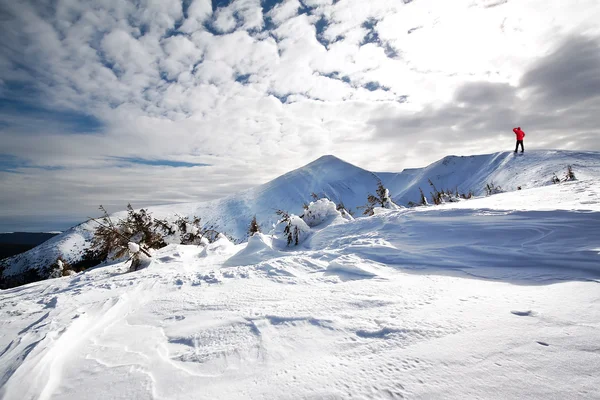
point(158, 101)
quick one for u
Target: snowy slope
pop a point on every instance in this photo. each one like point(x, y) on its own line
point(532, 169)
point(70, 245)
point(327, 176)
point(341, 182)
point(467, 300)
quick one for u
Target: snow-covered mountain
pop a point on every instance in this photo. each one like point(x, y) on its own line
point(491, 298)
point(505, 169)
point(341, 182)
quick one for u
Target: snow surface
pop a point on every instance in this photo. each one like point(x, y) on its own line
point(492, 298)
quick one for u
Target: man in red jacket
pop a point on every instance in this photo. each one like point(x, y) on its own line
point(520, 136)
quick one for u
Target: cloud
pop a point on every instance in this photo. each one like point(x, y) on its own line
point(245, 84)
point(556, 102)
point(569, 75)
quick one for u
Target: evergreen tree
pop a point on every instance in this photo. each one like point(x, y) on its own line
point(254, 227)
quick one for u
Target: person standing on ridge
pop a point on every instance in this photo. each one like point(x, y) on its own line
point(520, 136)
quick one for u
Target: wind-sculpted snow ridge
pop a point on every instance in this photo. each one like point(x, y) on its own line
point(466, 300)
point(345, 183)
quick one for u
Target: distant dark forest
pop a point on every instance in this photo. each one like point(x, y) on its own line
point(19, 242)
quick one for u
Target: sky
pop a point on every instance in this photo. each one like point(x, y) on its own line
point(162, 101)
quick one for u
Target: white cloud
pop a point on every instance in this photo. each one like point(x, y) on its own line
point(177, 81)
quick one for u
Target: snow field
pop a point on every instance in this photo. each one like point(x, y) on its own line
point(443, 302)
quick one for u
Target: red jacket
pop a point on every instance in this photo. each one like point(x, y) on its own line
point(520, 134)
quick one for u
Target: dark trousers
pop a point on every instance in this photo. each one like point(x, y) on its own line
point(519, 142)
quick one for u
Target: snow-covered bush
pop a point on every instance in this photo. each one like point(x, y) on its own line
point(381, 198)
point(422, 200)
point(555, 179)
point(491, 189)
point(221, 245)
point(466, 196)
point(59, 268)
point(139, 232)
point(320, 211)
point(291, 229)
point(189, 231)
point(111, 240)
point(346, 214)
point(445, 196)
point(570, 175)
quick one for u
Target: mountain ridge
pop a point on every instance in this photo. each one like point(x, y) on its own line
point(340, 181)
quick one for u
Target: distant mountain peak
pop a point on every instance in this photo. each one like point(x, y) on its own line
point(327, 158)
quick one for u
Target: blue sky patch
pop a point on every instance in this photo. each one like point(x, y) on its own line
point(268, 5)
point(372, 36)
point(160, 163)
point(220, 3)
point(283, 98)
point(243, 79)
point(373, 86)
point(321, 26)
point(21, 103)
point(10, 163)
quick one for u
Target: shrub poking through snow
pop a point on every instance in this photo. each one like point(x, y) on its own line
point(295, 229)
point(59, 268)
point(445, 196)
point(139, 232)
point(422, 200)
point(381, 198)
point(111, 240)
point(319, 211)
point(346, 214)
point(570, 176)
point(191, 231)
point(467, 196)
point(253, 228)
point(555, 179)
point(491, 189)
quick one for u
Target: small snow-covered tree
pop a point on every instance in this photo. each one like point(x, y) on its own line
point(295, 230)
point(292, 233)
point(254, 227)
point(381, 198)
